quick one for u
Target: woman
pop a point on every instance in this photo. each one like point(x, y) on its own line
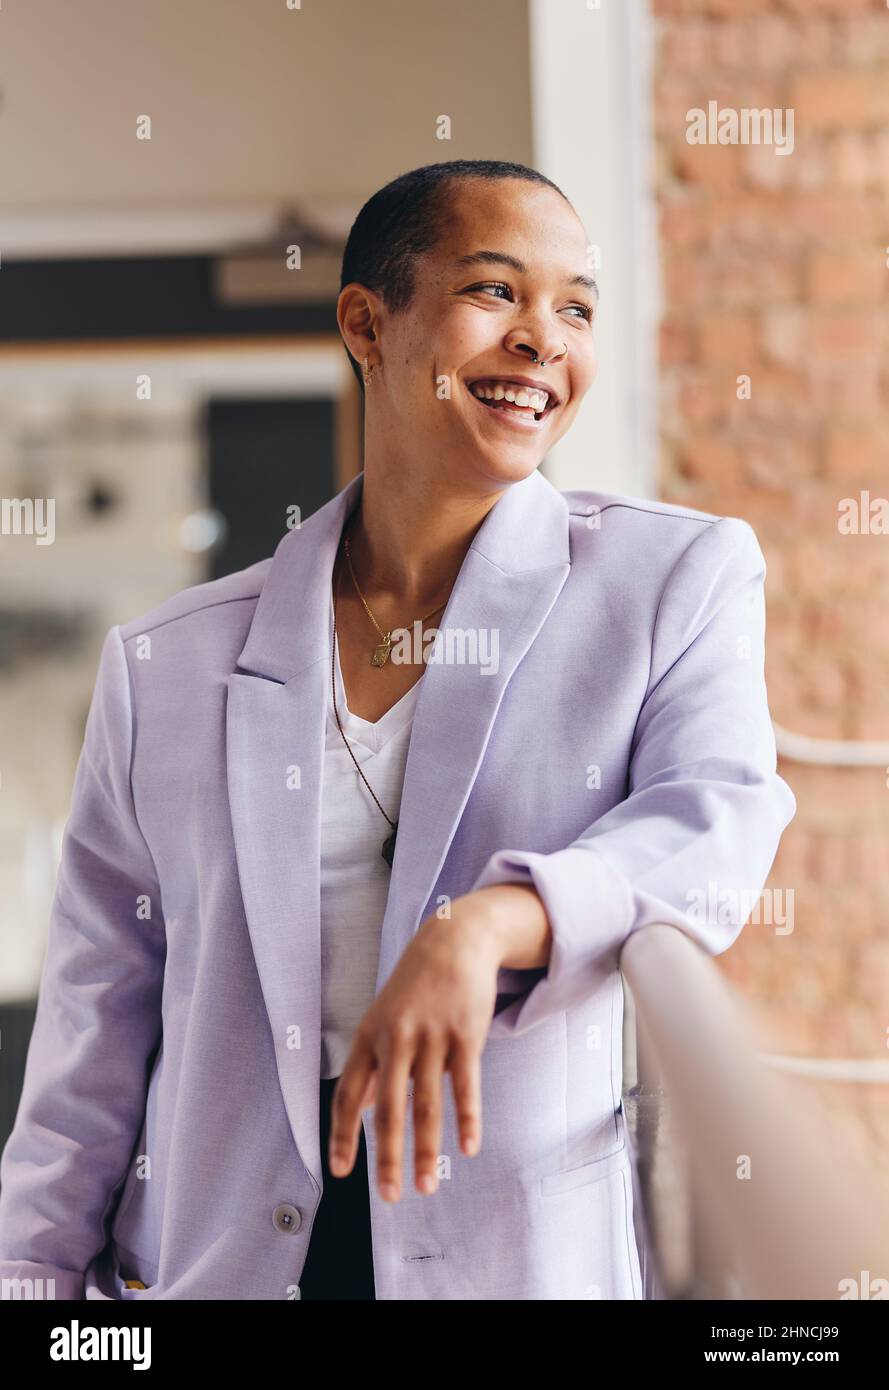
point(344, 889)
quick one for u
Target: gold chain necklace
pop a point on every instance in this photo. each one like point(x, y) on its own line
point(388, 850)
point(379, 658)
point(380, 653)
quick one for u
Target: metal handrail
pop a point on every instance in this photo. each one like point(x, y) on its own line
point(735, 1170)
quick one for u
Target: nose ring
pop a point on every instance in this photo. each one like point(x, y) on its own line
point(539, 363)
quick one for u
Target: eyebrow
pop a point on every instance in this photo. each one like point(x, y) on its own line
point(503, 258)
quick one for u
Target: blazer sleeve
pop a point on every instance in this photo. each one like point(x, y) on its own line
point(705, 811)
point(98, 1018)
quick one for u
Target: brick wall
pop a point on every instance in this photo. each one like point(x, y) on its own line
point(775, 266)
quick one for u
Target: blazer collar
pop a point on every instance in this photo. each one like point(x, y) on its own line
point(526, 529)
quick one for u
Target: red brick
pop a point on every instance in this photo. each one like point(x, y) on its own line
point(688, 281)
point(728, 340)
point(744, 281)
point(676, 343)
point(715, 166)
point(861, 38)
point(781, 460)
point(685, 47)
point(858, 456)
point(805, 169)
point(778, 42)
point(782, 336)
point(703, 403)
point(854, 277)
point(683, 223)
point(871, 722)
point(711, 458)
point(748, 219)
point(832, 100)
point(804, 8)
point(742, 8)
point(849, 159)
point(719, 8)
point(778, 396)
point(828, 217)
point(799, 246)
point(843, 337)
point(837, 393)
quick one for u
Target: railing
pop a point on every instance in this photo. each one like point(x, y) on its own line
point(737, 1186)
point(830, 752)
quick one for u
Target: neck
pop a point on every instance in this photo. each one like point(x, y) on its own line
point(409, 536)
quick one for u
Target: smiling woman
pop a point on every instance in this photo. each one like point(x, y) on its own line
point(393, 917)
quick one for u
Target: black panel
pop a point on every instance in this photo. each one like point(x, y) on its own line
point(265, 456)
point(135, 297)
point(16, 1023)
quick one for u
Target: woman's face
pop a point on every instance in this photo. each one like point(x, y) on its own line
point(473, 319)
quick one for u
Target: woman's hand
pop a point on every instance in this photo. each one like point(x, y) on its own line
point(432, 1017)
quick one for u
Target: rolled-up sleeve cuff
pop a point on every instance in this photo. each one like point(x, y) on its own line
point(590, 910)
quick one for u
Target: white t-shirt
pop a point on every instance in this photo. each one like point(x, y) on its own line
point(354, 874)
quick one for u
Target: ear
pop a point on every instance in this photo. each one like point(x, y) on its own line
point(357, 312)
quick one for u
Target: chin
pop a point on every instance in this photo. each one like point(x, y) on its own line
point(503, 469)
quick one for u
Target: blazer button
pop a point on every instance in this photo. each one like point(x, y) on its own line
point(286, 1218)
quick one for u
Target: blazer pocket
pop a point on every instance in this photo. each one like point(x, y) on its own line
point(568, 1178)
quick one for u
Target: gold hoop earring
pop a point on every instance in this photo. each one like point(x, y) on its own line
point(368, 373)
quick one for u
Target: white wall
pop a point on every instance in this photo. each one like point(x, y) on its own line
point(593, 137)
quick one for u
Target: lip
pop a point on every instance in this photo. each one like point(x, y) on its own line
point(531, 381)
point(525, 424)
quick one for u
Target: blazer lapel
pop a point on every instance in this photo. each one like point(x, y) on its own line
point(275, 730)
point(510, 579)
point(275, 733)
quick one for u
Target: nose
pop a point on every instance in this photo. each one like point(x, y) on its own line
point(542, 352)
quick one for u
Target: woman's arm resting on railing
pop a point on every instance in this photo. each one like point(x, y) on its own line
point(706, 808)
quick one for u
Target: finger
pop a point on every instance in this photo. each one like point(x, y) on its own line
point(394, 1069)
point(464, 1064)
point(350, 1097)
point(428, 1095)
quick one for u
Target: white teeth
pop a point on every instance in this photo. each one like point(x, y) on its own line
point(521, 396)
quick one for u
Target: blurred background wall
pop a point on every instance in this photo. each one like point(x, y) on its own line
point(776, 267)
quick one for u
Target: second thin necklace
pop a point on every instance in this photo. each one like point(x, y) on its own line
point(379, 658)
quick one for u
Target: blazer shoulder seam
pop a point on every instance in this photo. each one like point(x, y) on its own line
point(653, 511)
point(140, 629)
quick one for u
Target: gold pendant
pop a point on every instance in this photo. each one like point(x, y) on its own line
point(381, 653)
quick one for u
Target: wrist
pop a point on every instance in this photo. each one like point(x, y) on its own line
point(512, 920)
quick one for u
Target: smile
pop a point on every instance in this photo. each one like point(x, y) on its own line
point(515, 403)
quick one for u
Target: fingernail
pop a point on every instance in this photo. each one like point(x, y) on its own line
point(338, 1163)
point(388, 1192)
point(426, 1183)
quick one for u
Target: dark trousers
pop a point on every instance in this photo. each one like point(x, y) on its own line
point(339, 1264)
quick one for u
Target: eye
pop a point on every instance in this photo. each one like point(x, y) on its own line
point(489, 285)
point(585, 310)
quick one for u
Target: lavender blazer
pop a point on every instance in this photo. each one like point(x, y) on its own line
point(620, 757)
